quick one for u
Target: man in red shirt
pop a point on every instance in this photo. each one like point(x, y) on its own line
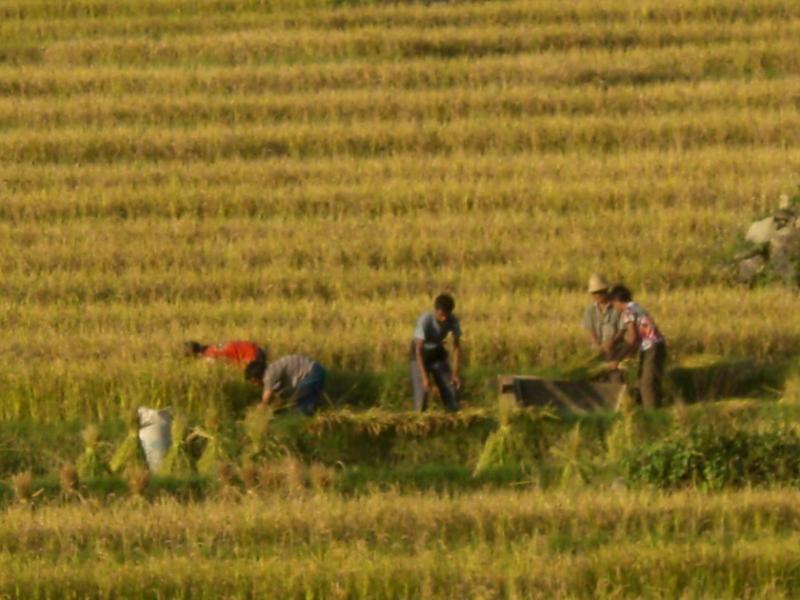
point(239, 353)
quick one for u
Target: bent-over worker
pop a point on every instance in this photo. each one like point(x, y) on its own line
point(239, 353)
point(294, 378)
point(429, 357)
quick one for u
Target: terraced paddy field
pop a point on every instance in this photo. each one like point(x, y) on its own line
point(481, 545)
point(310, 174)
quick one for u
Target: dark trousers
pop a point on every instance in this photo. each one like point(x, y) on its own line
point(442, 376)
point(651, 374)
point(309, 390)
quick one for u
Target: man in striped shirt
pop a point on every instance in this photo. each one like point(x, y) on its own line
point(642, 336)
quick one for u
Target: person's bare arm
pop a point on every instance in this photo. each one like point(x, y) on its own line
point(631, 338)
point(457, 362)
point(266, 397)
point(595, 343)
point(610, 346)
point(588, 325)
point(629, 347)
point(418, 344)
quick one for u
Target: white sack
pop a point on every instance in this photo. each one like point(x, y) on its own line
point(154, 435)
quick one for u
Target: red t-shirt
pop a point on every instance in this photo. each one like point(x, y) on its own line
point(237, 353)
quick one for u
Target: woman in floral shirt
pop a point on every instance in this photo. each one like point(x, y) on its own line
point(643, 336)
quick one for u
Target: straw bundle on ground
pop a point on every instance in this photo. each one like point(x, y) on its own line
point(178, 460)
point(215, 454)
point(574, 454)
point(90, 465)
point(509, 445)
point(520, 439)
point(375, 422)
point(504, 447)
point(259, 444)
point(129, 453)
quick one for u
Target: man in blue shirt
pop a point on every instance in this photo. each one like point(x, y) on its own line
point(429, 358)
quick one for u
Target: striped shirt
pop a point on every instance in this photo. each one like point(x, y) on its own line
point(646, 328)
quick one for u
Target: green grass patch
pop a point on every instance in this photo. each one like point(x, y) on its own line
point(712, 460)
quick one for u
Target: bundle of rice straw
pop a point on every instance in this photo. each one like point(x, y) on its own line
point(504, 447)
point(259, 445)
point(129, 453)
point(90, 465)
point(507, 445)
point(215, 453)
point(177, 461)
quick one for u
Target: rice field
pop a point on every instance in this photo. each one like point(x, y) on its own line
point(500, 544)
point(309, 174)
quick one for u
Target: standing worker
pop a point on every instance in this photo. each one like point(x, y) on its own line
point(429, 357)
point(642, 335)
point(293, 378)
point(600, 320)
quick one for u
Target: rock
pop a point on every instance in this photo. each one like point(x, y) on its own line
point(784, 217)
point(745, 254)
point(748, 269)
point(784, 255)
point(761, 232)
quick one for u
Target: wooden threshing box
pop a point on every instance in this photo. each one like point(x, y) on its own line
point(563, 396)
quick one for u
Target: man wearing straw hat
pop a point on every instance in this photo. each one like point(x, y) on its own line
point(600, 320)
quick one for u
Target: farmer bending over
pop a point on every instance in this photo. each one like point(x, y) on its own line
point(642, 335)
point(293, 378)
point(237, 353)
point(429, 357)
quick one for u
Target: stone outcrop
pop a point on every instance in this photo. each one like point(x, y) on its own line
point(761, 232)
point(773, 247)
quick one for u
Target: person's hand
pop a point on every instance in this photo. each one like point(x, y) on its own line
point(426, 383)
point(456, 381)
point(612, 365)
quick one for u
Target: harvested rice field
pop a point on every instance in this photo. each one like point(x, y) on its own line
point(309, 174)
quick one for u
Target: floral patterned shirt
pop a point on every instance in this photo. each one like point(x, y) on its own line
point(646, 328)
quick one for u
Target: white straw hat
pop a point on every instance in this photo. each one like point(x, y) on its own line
point(597, 283)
